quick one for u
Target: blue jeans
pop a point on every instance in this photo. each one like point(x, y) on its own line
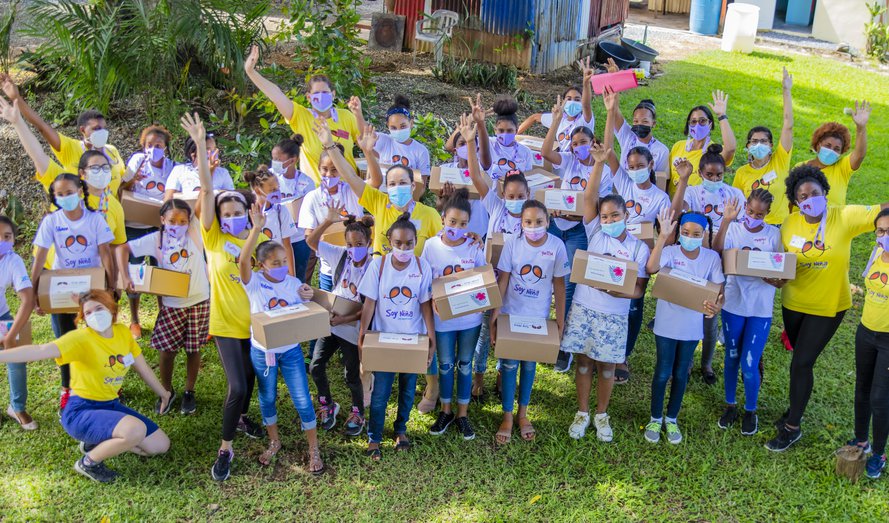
point(18, 379)
point(634, 323)
point(293, 370)
point(745, 340)
point(510, 371)
point(379, 398)
point(459, 346)
point(301, 252)
point(483, 346)
point(575, 239)
point(673, 360)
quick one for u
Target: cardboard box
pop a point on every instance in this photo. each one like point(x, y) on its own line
point(762, 264)
point(533, 142)
point(293, 207)
point(387, 352)
point(157, 281)
point(527, 339)
point(58, 291)
point(643, 231)
point(662, 180)
point(283, 328)
point(459, 177)
point(538, 161)
point(24, 337)
point(684, 289)
point(493, 248)
point(567, 202)
point(466, 292)
point(142, 209)
point(537, 178)
point(335, 304)
point(602, 272)
point(361, 163)
point(335, 234)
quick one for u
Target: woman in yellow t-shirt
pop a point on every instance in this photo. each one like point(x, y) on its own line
point(698, 126)
point(872, 354)
point(101, 354)
point(321, 95)
point(814, 303)
point(768, 165)
point(830, 142)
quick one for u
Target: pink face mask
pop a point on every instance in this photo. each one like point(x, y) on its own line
point(402, 256)
point(534, 233)
point(752, 223)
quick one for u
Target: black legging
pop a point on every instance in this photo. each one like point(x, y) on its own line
point(63, 324)
point(872, 386)
point(809, 335)
point(324, 349)
point(234, 353)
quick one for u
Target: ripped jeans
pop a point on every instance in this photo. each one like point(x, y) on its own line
point(460, 346)
point(510, 370)
point(745, 340)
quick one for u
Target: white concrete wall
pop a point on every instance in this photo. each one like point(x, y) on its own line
point(841, 21)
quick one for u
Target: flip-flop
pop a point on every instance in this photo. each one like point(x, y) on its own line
point(621, 376)
point(505, 434)
point(316, 453)
point(374, 454)
point(270, 453)
point(402, 445)
point(526, 429)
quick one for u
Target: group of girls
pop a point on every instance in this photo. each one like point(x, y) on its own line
point(245, 252)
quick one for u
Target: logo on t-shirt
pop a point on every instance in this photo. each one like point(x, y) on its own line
point(178, 258)
point(880, 277)
point(531, 274)
point(635, 206)
point(577, 180)
point(115, 360)
point(813, 249)
point(451, 269)
point(398, 159)
point(76, 244)
point(351, 286)
point(400, 296)
point(155, 186)
point(712, 207)
point(275, 303)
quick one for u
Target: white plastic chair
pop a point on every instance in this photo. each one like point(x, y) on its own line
point(434, 29)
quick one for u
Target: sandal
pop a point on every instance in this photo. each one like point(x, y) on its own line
point(315, 461)
point(526, 429)
point(503, 435)
point(402, 445)
point(621, 376)
point(374, 454)
point(269, 454)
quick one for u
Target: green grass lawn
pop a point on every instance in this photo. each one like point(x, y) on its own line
point(712, 475)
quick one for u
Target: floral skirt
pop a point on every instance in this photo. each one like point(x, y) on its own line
point(597, 335)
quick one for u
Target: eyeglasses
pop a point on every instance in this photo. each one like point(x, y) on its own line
point(702, 121)
point(763, 141)
point(99, 169)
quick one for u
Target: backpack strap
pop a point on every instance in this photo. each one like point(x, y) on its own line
point(340, 267)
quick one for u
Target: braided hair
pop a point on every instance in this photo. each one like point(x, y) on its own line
point(76, 180)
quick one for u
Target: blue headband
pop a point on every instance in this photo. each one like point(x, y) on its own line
point(694, 217)
point(398, 110)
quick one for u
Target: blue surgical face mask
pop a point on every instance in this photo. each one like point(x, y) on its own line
point(689, 244)
point(828, 156)
point(759, 150)
point(70, 202)
point(710, 185)
point(639, 175)
point(573, 108)
point(614, 229)
point(514, 206)
point(401, 135)
point(400, 195)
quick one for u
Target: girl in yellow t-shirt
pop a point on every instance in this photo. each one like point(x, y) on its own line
point(814, 303)
point(872, 354)
point(830, 142)
point(698, 126)
point(767, 166)
point(101, 354)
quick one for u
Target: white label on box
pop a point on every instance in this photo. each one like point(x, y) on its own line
point(765, 261)
point(361, 163)
point(797, 241)
point(561, 200)
point(399, 339)
point(146, 198)
point(691, 278)
point(537, 179)
point(453, 287)
point(299, 307)
point(64, 291)
point(605, 271)
point(468, 302)
point(528, 325)
point(533, 143)
point(137, 273)
point(634, 228)
point(455, 175)
point(537, 159)
point(769, 176)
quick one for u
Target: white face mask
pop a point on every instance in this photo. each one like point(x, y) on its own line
point(99, 321)
point(99, 138)
point(99, 178)
point(277, 167)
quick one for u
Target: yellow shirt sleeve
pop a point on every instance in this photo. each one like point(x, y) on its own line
point(69, 151)
point(374, 201)
point(859, 218)
point(71, 346)
point(47, 177)
point(115, 220)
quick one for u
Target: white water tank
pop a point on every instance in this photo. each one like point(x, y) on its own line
point(739, 33)
point(766, 12)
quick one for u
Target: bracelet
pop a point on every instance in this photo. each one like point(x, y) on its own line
point(329, 147)
point(723, 117)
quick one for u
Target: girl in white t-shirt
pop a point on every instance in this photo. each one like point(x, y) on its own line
point(81, 239)
point(397, 147)
point(533, 266)
point(478, 221)
point(148, 169)
point(397, 289)
point(506, 153)
point(293, 184)
point(638, 133)
point(677, 330)
point(268, 289)
point(596, 328)
point(185, 178)
point(182, 323)
point(349, 264)
point(747, 313)
point(279, 226)
point(451, 252)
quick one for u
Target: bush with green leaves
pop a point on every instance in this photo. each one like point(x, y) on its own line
point(465, 72)
point(877, 33)
point(6, 22)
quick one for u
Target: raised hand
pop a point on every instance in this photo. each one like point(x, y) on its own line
point(322, 131)
point(368, 138)
point(584, 66)
point(611, 99)
point(335, 212)
point(720, 102)
point(257, 213)
point(558, 108)
point(252, 59)
point(861, 114)
point(447, 190)
point(732, 210)
point(8, 86)
point(467, 128)
point(666, 222)
point(611, 67)
point(599, 152)
point(476, 110)
point(684, 168)
point(10, 111)
point(787, 81)
point(355, 105)
point(194, 127)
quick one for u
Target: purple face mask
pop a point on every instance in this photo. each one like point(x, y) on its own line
point(463, 152)
point(699, 131)
point(814, 206)
point(234, 225)
point(330, 181)
point(5, 248)
point(752, 223)
point(277, 273)
point(883, 242)
point(454, 233)
point(358, 254)
point(582, 152)
point(321, 101)
point(156, 154)
point(506, 139)
point(175, 231)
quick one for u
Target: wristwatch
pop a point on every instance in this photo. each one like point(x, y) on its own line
point(723, 117)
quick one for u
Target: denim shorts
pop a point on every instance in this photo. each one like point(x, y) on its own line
point(94, 421)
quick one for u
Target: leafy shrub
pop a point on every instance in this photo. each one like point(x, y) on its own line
point(6, 22)
point(877, 33)
point(432, 131)
point(465, 72)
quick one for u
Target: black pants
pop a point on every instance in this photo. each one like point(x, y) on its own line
point(324, 349)
point(809, 335)
point(234, 353)
point(62, 324)
point(872, 386)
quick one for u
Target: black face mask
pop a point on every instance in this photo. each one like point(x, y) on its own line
point(642, 131)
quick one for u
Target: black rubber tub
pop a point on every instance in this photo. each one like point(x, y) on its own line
point(623, 58)
point(642, 52)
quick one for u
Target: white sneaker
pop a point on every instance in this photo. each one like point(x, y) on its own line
point(577, 429)
point(603, 428)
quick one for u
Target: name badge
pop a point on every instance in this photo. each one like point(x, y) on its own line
point(128, 360)
point(232, 249)
point(797, 241)
point(769, 176)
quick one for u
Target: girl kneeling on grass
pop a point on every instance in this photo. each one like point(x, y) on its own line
point(181, 322)
point(349, 264)
point(747, 313)
point(100, 356)
point(532, 266)
point(449, 253)
point(596, 328)
point(677, 330)
point(269, 289)
point(397, 293)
